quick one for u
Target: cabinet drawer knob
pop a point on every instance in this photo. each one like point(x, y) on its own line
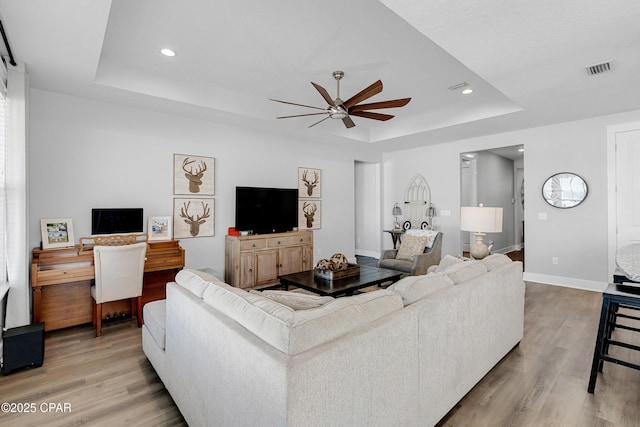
point(251, 270)
point(254, 245)
point(278, 241)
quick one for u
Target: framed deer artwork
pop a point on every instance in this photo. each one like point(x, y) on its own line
point(309, 183)
point(309, 214)
point(193, 175)
point(192, 217)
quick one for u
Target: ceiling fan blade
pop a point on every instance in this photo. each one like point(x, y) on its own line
point(301, 115)
point(393, 103)
point(324, 93)
point(319, 121)
point(300, 105)
point(372, 115)
point(348, 122)
point(366, 93)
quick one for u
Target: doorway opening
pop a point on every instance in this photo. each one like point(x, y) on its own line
point(495, 177)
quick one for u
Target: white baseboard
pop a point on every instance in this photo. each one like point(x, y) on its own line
point(568, 282)
point(371, 254)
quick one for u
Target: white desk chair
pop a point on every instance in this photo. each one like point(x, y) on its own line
point(119, 272)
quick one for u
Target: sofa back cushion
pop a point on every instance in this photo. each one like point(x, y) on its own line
point(195, 281)
point(466, 271)
point(414, 288)
point(494, 261)
point(295, 300)
point(294, 331)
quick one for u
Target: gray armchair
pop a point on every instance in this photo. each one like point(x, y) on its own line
point(420, 263)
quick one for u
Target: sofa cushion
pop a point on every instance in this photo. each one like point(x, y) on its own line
point(294, 300)
point(292, 331)
point(413, 288)
point(411, 246)
point(494, 261)
point(403, 265)
point(155, 317)
point(195, 281)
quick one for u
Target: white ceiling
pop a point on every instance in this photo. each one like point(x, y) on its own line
point(524, 59)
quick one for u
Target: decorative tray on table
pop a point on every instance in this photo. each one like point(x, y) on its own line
point(336, 267)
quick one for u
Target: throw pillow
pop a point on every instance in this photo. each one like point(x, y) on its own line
point(294, 300)
point(430, 234)
point(411, 246)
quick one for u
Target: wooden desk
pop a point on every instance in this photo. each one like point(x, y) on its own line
point(61, 280)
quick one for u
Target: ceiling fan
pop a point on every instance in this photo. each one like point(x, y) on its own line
point(342, 110)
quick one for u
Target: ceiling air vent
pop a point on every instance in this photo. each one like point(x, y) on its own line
point(592, 70)
point(459, 86)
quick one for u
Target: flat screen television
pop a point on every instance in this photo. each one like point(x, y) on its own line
point(114, 221)
point(266, 210)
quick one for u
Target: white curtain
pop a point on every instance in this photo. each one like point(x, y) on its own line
point(17, 253)
point(3, 205)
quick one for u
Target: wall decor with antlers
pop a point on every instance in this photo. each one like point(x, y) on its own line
point(309, 183)
point(193, 217)
point(193, 175)
point(309, 214)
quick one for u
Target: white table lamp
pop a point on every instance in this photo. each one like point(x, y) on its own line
point(480, 220)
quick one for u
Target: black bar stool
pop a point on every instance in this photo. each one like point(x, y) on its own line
point(616, 296)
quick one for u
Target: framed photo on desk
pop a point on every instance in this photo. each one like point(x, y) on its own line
point(160, 228)
point(57, 233)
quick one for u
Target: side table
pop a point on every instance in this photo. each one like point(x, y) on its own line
point(396, 236)
point(616, 296)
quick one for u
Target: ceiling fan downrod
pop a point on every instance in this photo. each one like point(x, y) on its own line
point(337, 110)
point(338, 75)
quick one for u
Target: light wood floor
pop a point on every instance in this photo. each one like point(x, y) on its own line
point(108, 381)
point(543, 382)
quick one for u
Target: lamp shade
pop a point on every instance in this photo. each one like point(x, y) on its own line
point(481, 219)
point(396, 210)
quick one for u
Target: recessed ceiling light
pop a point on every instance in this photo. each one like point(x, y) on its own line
point(467, 91)
point(167, 52)
point(521, 149)
point(469, 155)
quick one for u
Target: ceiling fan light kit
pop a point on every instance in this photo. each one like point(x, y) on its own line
point(342, 110)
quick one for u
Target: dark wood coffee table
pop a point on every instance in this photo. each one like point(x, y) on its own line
point(369, 276)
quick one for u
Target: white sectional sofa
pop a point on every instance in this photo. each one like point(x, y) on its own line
point(401, 356)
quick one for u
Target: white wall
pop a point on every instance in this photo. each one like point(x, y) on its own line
point(367, 209)
point(578, 237)
point(86, 154)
